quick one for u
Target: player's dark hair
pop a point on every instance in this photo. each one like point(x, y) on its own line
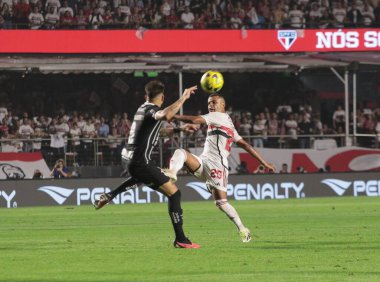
point(154, 88)
point(218, 95)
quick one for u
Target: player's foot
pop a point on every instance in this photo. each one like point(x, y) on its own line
point(171, 174)
point(245, 235)
point(104, 199)
point(185, 245)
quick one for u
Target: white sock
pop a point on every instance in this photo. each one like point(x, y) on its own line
point(230, 211)
point(178, 159)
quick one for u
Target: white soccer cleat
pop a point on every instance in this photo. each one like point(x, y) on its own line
point(245, 235)
point(171, 174)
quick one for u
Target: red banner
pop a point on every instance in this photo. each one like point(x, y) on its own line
point(188, 41)
point(22, 165)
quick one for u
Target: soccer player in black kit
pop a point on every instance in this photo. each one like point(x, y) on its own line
point(142, 139)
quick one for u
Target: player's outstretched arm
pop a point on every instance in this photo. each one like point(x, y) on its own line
point(191, 119)
point(187, 128)
point(169, 112)
point(249, 149)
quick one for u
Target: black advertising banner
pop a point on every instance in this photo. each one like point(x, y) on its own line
point(49, 192)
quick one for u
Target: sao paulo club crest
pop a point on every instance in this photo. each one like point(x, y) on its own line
point(287, 38)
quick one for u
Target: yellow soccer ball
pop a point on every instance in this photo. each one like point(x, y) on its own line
point(212, 81)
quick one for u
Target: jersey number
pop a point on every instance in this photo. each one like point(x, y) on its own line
point(216, 173)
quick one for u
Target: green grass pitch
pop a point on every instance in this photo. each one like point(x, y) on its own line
point(324, 239)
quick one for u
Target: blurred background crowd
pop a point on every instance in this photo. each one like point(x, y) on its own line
point(87, 118)
point(187, 14)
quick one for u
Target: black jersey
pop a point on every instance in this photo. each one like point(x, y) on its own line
point(144, 133)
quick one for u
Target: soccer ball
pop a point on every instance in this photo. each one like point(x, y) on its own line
point(212, 81)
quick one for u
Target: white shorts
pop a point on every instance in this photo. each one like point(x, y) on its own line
point(213, 173)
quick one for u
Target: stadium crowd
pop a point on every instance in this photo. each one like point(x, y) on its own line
point(284, 126)
point(187, 14)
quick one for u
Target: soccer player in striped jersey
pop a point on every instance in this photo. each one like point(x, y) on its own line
point(142, 139)
point(212, 165)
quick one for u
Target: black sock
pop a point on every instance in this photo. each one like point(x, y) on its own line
point(175, 212)
point(129, 183)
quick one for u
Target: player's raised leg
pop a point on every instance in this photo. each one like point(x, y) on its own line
point(222, 203)
point(176, 215)
point(105, 198)
point(179, 158)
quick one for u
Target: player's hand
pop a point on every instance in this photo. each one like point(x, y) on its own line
point(190, 128)
point(270, 167)
point(189, 91)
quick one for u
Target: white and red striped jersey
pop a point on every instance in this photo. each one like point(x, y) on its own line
point(221, 133)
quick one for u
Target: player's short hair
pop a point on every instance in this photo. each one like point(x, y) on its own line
point(218, 95)
point(154, 88)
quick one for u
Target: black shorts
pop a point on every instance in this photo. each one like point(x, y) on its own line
point(149, 174)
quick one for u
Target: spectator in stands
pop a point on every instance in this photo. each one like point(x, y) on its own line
point(259, 130)
point(37, 174)
point(284, 168)
point(52, 3)
point(95, 19)
point(66, 20)
point(201, 21)
point(165, 8)
point(317, 125)
point(125, 9)
point(338, 118)
point(148, 18)
point(65, 8)
point(339, 13)
point(296, 17)
point(108, 18)
point(103, 130)
point(354, 17)
point(114, 143)
point(88, 133)
point(63, 129)
point(314, 16)
point(278, 16)
point(51, 18)
point(81, 122)
point(39, 133)
point(187, 18)
point(245, 128)
point(368, 15)
point(81, 20)
point(57, 141)
point(252, 16)
point(291, 126)
point(3, 128)
point(376, 13)
point(6, 14)
point(75, 134)
point(235, 21)
point(3, 111)
point(305, 128)
point(25, 131)
point(326, 19)
point(60, 170)
point(21, 13)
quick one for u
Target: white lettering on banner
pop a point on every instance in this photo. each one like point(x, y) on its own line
point(370, 188)
point(338, 39)
point(83, 194)
point(371, 39)
point(8, 198)
point(133, 196)
point(243, 191)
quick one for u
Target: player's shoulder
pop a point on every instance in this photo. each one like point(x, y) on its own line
point(218, 115)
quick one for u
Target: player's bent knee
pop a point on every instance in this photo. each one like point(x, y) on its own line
point(220, 203)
